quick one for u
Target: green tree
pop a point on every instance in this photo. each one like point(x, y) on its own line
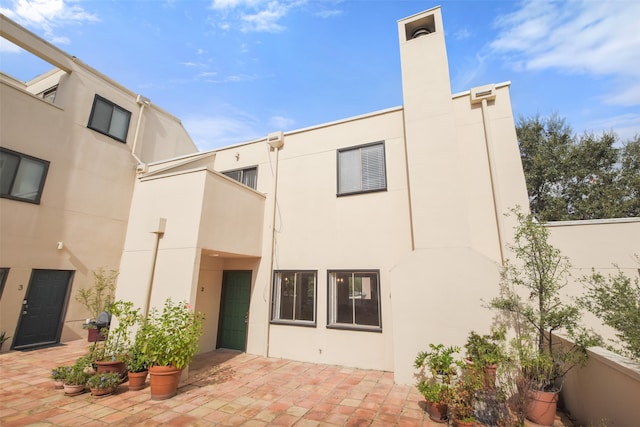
point(615, 299)
point(570, 177)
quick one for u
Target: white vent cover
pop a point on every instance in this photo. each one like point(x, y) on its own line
point(479, 93)
point(275, 139)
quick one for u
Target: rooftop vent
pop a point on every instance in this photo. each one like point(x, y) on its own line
point(420, 27)
point(422, 31)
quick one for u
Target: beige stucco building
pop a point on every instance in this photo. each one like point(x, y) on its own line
point(356, 242)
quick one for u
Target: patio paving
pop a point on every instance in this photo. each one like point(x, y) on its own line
point(224, 388)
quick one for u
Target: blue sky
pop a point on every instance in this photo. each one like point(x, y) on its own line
point(234, 70)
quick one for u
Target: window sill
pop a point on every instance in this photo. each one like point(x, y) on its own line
point(356, 328)
point(305, 324)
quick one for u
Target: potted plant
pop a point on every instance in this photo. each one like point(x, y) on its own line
point(97, 300)
point(76, 377)
point(58, 375)
point(462, 397)
point(104, 383)
point(438, 368)
point(169, 340)
point(530, 299)
point(485, 352)
point(137, 362)
point(118, 343)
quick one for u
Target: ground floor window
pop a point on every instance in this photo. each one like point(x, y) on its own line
point(294, 297)
point(354, 299)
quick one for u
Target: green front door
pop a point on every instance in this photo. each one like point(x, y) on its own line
point(234, 310)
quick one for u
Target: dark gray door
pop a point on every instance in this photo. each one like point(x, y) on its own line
point(234, 310)
point(43, 308)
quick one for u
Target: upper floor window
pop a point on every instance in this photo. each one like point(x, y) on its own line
point(294, 297)
point(361, 169)
point(49, 95)
point(354, 299)
point(109, 119)
point(21, 176)
point(248, 176)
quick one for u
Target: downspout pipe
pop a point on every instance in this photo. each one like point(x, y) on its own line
point(143, 102)
point(276, 142)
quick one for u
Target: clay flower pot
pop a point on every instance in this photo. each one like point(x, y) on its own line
point(137, 380)
point(541, 408)
point(437, 411)
point(163, 381)
point(117, 366)
point(99, 392)
point(73, 389)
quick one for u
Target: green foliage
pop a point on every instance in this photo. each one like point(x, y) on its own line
point(136, 359)
point(463, 395)
point(570, 177)
point(78, 373)
point(486, 349)
point(118, 340)
point(60, 372)
point(616, 301)
point(99, 297)
point(433, 391)
point(104, 381)
point(539, 273)
point(172, 337)
point(439, 361)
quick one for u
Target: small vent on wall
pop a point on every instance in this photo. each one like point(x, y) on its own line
point(420, 27)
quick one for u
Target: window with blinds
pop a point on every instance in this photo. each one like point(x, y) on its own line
point(248, 176)
point(361, 169)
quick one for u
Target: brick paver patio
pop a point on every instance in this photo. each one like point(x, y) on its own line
point(224, 388)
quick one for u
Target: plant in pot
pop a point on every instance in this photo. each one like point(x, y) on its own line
point(438, 369)
point(462, 397)
point(76, 377)
point(58, 375)
point(169, 340)
point(96, 300)
point(118, 341)
point(104, 383)
point(531, 302)
point(137, 362)
point(485, 352)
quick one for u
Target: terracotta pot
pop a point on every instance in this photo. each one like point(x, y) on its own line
point(490, 376)
point(137, 380)
point(73, 390)
point(95, 335)
point(102, 391)
point(437, 411)
point(541, 408)
point(163, 381)
point(58, 384)
point(116, 366)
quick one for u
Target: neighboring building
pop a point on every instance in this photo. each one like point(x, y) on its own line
point(356, 242)
point(70, 143)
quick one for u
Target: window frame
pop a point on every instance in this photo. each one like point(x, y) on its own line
point(113, 106)
point(4, 272)
point(360, 147)
point(275, 307)
point(43, 177)
point(332, 309)
point(243, 171)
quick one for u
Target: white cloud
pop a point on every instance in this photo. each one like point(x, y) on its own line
point(329, 13)
point(578, 36)
point(255, 15)
point(47, 15)
point(462, 34)
point(219, 131)
point(625, 125)
point(281, 123)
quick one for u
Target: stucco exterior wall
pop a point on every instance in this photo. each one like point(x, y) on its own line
point(89, 184)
